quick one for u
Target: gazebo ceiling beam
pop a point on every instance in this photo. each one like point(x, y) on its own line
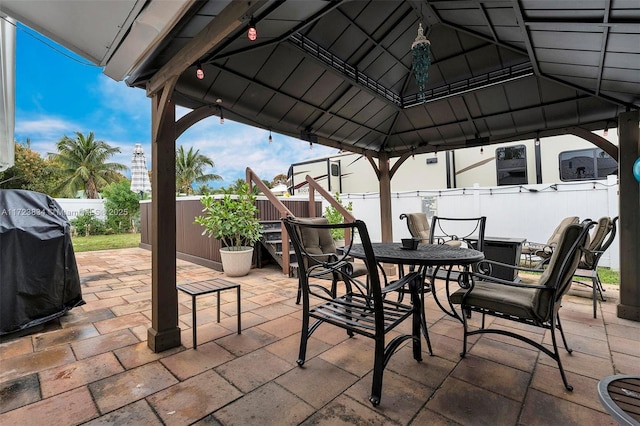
point(525, 35)
point(544, 76)
point(376, 42)
point(603, 49)
point(302, 25)
point(230, 19)
point(273, 89)
point(497, 114)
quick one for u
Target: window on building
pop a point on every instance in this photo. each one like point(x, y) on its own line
point(586, 164)
point(511, 165)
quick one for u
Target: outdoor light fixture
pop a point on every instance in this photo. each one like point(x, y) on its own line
point(252, 33)
point(605, 132)
point(221, 115)
point(270, 138)
point(420, 52)
point(199, 71)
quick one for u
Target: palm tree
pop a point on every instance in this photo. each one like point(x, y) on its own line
point(190, 167)
point(84, 166)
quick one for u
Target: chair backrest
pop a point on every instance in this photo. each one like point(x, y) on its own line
point(601, 239)
point(469, 230)
point(418, 225)
point(317, 240)
point(316, 264)
point(555, 235)
point(561, 268)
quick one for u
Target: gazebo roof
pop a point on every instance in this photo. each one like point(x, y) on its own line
point(339, 73)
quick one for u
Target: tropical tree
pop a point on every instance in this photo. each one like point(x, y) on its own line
point(190, 169)
point(84, 165)
point(279, 179)
point(30, 171)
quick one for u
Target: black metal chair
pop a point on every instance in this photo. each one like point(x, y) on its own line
point(601, 238)
point(359, 310)
point(533, 304)
point(320, 241)
point(458, 231)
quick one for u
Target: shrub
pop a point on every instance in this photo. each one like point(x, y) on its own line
point(88, 224)
point(334, 216)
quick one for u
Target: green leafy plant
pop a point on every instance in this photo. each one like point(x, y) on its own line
point(334, 216)
point(88, 224)
point(231, 219)
point(122, 206)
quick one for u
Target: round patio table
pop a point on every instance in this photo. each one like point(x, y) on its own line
point(620, 396)
point(425, 256)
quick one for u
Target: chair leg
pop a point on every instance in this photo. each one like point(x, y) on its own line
point(299, 293)
point(564, 340)
point(555, 349)
point(378, 370)
point(304, 336)
point(465, 329)
point(419, 321)
point(594, 296)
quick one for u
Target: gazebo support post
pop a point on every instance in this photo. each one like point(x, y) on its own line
point(164, 332)
point(629, 145)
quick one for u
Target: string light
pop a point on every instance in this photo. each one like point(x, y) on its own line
point(270, 138)
point(199, 71)
point(605, 132)
point(310, 146)
point(482, 150)
point(221, 115)
point(252, 33)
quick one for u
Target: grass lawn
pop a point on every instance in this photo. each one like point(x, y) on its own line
point(104, 242)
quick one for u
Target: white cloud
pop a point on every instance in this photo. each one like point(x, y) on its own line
point(234, 147)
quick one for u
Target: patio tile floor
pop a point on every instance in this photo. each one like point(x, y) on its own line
point(93, 366)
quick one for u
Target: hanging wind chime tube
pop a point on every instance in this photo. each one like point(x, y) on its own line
point(421, 61)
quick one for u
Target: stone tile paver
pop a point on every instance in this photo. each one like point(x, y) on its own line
point(69, 376)
point(70, 408)
point(193, 398)
point(124, 388)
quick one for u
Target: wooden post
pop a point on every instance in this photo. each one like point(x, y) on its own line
point(164, 332)
point(629, 222)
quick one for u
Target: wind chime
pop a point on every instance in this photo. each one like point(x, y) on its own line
point(421, 61)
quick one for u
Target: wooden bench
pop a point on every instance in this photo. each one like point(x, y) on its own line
point(205, 287)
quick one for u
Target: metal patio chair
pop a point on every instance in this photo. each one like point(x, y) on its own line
point(534, 304)
point(359, 310)
point(320, 241)
point(543, 251)
point(600, 240)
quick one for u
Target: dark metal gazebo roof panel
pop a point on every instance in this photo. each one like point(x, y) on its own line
point(339, 73)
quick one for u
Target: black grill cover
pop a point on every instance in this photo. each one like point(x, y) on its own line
point(38, 273)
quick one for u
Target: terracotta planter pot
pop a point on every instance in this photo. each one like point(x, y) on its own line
point(236, 263)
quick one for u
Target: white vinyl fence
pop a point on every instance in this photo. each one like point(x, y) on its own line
point(528, 211)
point(74, 207)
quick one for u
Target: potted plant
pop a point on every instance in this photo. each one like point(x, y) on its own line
point(334, 216)
point(232, 220)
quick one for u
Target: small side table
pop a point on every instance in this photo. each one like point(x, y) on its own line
point(205, 287)
point(620, 396)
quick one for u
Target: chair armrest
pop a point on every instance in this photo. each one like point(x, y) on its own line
point(395, 285)
point(494, 280)
point(508, 265)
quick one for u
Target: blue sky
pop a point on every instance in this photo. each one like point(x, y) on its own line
point(57, 95)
